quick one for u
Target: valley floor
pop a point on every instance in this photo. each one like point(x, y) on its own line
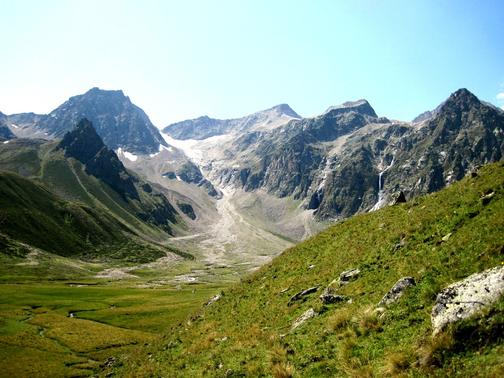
point(61, 317)
point(77, 328)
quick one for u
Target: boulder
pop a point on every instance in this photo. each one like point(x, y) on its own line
point(487, 197)
point(301, 294)
point(214, 299)
point(308, 314)
point(396, 291)
point(446, 237)
point(349, 275)
point(329, 296)
point(465, 298)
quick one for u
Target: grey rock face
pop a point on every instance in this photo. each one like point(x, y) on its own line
point(191, 174)
point(329, 296)
point(349, 275)
point(397, 291)
point(308, 314)
point(348, 160)
point(301, 294)
point(465, 298)
point(214, 299)
point(84, 144)
point(116, 119)
point(5, 133)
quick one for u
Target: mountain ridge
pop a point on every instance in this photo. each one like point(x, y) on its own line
point(119, 122)
point(205, 126)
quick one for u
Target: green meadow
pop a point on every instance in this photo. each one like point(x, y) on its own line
point(60, 327)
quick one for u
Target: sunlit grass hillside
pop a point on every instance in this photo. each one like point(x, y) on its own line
point(437, 239)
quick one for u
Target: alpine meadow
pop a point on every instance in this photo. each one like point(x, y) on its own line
point(199, 236)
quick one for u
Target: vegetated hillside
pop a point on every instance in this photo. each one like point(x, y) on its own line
point(30, 214)
point(436, 239)
point(80, 172)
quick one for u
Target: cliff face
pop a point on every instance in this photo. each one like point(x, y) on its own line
point(349, 160)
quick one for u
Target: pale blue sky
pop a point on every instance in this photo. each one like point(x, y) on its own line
point(182, 59)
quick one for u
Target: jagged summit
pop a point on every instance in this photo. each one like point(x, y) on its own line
point(96, 90)
point(360, 106)
point(460, 100)
point(285, 109)
point(84, 144)
point(117, 120)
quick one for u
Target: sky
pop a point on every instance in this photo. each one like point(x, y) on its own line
point(187, 58)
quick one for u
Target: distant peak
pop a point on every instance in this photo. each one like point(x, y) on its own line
point(96, 90)
point(465, 94)
point(461, 99)
point(360, 106)
point(286, 110)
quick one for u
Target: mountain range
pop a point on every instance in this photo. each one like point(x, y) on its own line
point(345, 161)
point(330, 244)
point(349, 160)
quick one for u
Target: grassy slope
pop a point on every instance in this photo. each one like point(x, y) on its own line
point(33, 215)
point(80, 215)
point(248, 332)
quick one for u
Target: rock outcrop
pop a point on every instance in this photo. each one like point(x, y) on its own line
point(397, 291)
point(5, 133)
point(329, 296)
point(348, 275)
point(214, 299)
point(308, 314)
point(466, 298)
point(301, 294)
point(85, 145)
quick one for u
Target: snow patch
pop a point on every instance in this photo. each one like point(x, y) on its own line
point(130, 156)
point(169, 149)
point(126, 154)
point(7, 141)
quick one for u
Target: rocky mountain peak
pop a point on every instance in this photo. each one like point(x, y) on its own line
point(360, 106)
point(98, 94)
point(285, 109)
point(461, 100)
point(83, 142)
point(205, 127)
point(85, 145)
point(117, 120)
